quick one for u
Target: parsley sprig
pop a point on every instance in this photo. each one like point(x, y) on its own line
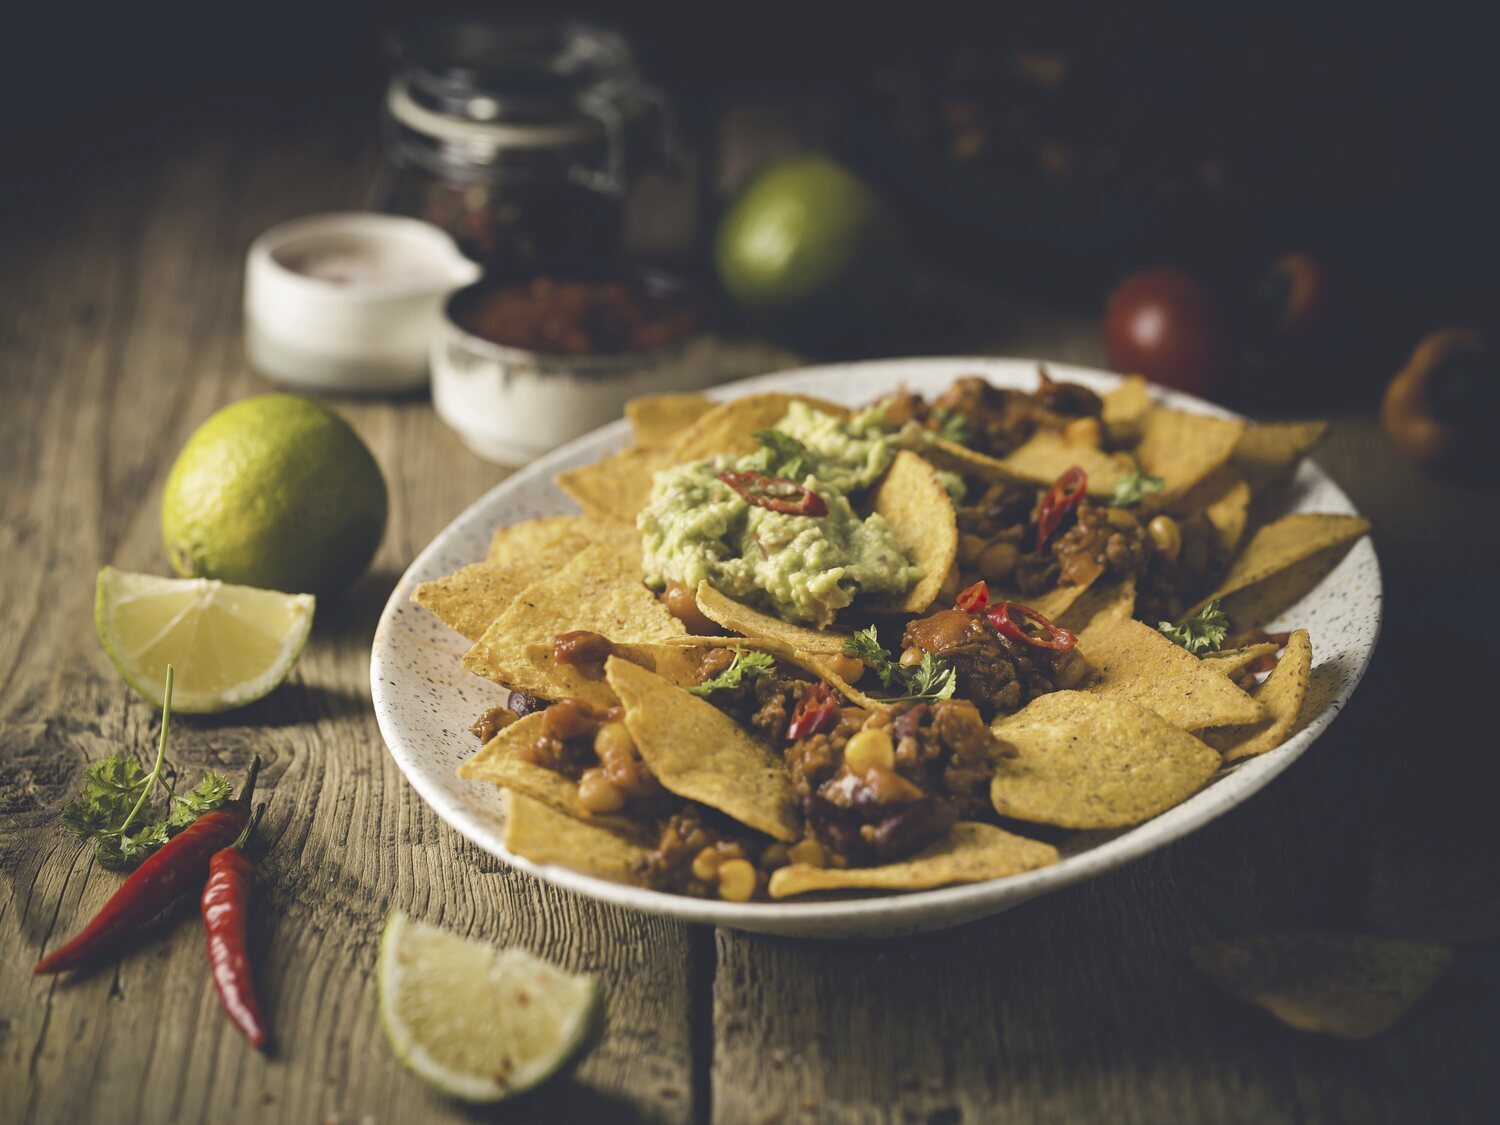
point(932, 679)
point(1135, 486)
point(1202, 633)
point(746, 666)
point(114, 811)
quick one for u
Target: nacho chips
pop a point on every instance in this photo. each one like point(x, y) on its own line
point(536, 832)
point(915, 504)
point(1047, 455)
point(971, 853)
point(1125, 410)
point(1280, 697)
point(468, 601)
point(1351, 986)
point(1184, 448)
point(727, 427)
point(616, 488)
point(751, 622)
point(1090, 761)
point(698, 752)
point(1280, 545)
point(530, 537)
point(658, 420)
point(1268, 452)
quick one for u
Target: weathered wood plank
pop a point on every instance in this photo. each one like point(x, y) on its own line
point(120, 334)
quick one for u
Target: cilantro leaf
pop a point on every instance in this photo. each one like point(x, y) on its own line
point(952, 425)
point(933, 678)
point(1133, 486)
point(1204, 632)
point(746, 666)
point(782, 455)
point(209, 794)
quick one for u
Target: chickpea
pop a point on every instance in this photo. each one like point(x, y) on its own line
point(1166, 535)
point(567, 719)
point(1071, 670)
point(736, 880)
point(847, 668)
point(869, 748)
point(775, 855)
point(597, 794)
point(808, 852)
point(998, 561)
point(1121, 520)
point(970, 547)
point(911, 657)
point(682, 603)
point(613, 740)
point(706, 864)
point(1083, 431)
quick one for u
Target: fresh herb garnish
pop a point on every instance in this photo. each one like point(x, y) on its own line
point(1203, 632)
point(782, 455)
point(1133, 486)
point(115, 812)
point(952, 425)
point(746, 666)
point(932, 679)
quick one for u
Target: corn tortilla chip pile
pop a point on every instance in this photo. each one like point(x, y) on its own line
point(1147, 722)
point(1351, 986)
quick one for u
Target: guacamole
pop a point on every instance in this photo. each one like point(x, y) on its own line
point(696, 528)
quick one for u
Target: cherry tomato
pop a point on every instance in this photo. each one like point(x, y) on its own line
point(1164, 324)
point(1293, 296)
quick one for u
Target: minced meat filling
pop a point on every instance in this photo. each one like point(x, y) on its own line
point(592, 747)
point(704, 854)
point(763, 704)
point(882, 785)
point(998, 674)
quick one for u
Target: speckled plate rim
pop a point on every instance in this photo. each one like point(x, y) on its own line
point(424, 700)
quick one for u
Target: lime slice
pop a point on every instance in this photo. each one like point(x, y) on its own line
point(230, 644)
point(477, 1022)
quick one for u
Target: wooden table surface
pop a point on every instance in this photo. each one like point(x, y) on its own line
point(120, 332)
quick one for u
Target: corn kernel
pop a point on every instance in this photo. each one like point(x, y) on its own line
point(807, 851)
point(706, 864)
point(869, 748)
point(736, 880)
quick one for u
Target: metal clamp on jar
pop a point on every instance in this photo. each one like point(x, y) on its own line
point(521, 140)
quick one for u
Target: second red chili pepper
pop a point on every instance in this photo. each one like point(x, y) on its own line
point(226, 908)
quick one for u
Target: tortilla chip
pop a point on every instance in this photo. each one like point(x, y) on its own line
point(1047, 455)
point(751, 622)
point(698, 752)
point(916, 505)
point(1125, 410)
point(1268, 452)
point(657, 420)
point(601, 591)
point(1090, 761)
point(468, 601)
point(534, 831)
point(1234, 661)
point(500, 762)
point(617, 487)
point(1228, 514)
point(1280, 545)
point(821, 667)
point(970, 853)
point(1184, 448)
point(1352, 986)
point(530, 537)
point(1281, 697)
point(728, 426)
point(1133, 661)
point(1112, 600)
point(966, 462)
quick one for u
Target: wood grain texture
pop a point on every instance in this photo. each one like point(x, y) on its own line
point(119, 333)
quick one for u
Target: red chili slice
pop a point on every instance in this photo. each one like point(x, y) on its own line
point(1061, 498)
point(817, 712)
point(976, 599)
point(1010, 620)
point(776, 493)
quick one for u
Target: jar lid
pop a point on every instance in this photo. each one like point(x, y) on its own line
point(514, 84)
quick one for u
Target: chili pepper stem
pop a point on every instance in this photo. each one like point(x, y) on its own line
point(161, 753)
point(250, 780)
point(249, 827)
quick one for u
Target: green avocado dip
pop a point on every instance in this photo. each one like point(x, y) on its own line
point(697, 528)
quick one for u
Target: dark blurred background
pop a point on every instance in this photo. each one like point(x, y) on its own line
point(1033, 149)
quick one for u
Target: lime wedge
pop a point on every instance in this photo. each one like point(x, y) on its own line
point(230, 644)
point(477, 1022)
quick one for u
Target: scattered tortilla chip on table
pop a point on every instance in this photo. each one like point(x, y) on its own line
point(914, 502)
point(1352, 986)
point(1184, 448)
point(536, 832)
point(698, 752)
point(1280, 696)
point(970, 853)
point(657, 420)
point(1280, 545)
point(1133, 661)
point(1090, 761)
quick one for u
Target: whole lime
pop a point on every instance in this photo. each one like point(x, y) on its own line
point(805, 240)
point(276, 492)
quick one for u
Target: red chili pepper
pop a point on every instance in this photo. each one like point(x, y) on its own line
point(776, 493)
point(1010, 620)
point(975, 599)
point(181, 864)
point(1060, 499)
point(816, 713)
point(226, 907)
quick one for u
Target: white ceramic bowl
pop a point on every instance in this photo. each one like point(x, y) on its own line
point(368, 336)
point(424, 700)
point(511, 405)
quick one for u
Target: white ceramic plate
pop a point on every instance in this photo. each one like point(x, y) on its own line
point(425, 701)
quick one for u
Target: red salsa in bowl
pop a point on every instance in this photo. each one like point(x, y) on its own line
point(556, 316)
